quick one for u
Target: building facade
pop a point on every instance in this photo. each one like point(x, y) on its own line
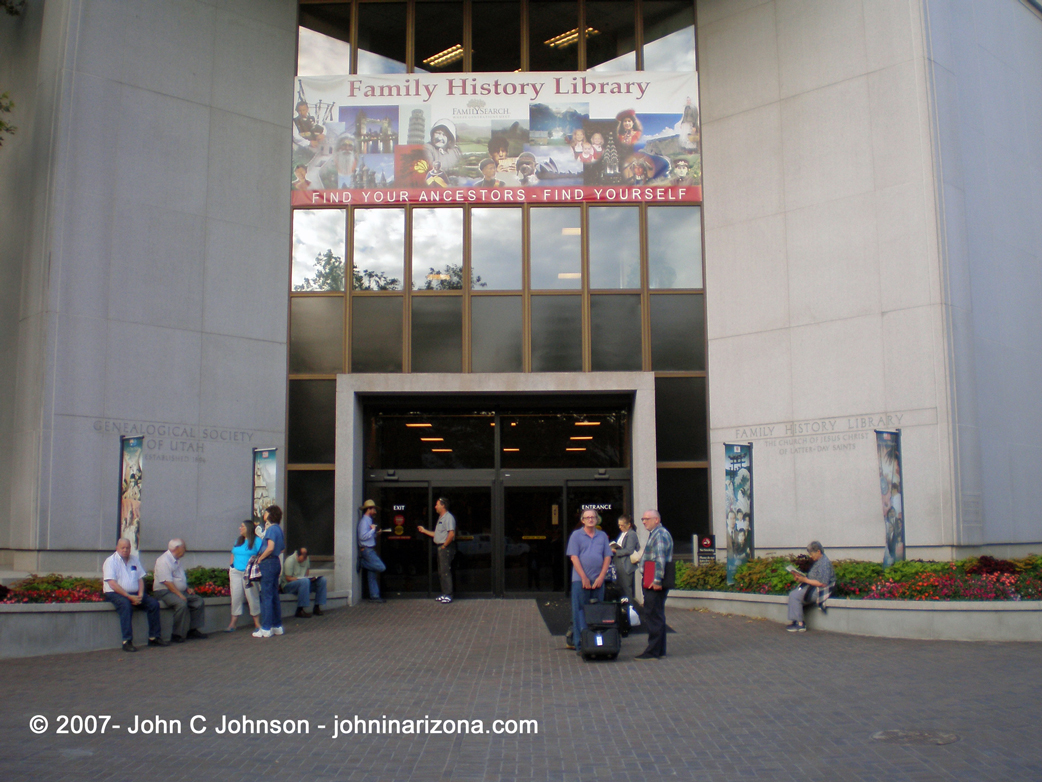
point(860, 256)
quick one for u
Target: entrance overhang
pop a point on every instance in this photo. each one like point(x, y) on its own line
point(352, 390)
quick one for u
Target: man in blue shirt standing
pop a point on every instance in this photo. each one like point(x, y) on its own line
point(590, 553)
point(370, 561)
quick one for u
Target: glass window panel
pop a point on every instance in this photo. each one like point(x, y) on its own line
point(437, 334)
point(496, 36)
point(316, 342)
point(614, 247)
point(557, 334)
point(678, 333)
point(680, 419)
point(310, 496)
point(675, 247)
point(556, 247)
point(408, 441)
point(439, 40)
point(319, 245)
point(553, 43)
point(615, 333)
point(683, 501)
point(376, 334)
point(495, 334)
point(543, 439)
point(437, 249)
point(610, 44)
point(381, 38)
point(379, 256)
point(311, 437)
point(669, 35)
point(495, 249)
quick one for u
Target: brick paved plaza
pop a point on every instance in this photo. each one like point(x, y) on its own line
point(735, 699)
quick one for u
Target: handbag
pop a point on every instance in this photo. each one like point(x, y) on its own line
point(252, 573)
point(636, 555)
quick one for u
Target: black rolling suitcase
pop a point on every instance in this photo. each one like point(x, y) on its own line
point(601, 638)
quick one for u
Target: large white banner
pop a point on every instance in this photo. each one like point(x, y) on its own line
point(496, 138)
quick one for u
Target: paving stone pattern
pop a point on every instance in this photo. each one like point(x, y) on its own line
point(736, 699)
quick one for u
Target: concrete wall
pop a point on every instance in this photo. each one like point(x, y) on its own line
point(154, 271)
point(985, 60)
point(826, 314)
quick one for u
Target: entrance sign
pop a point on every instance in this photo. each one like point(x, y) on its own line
point(130, 490)
point(264, 477)
point(738, 504)
point(888, 446)
point(496, 138)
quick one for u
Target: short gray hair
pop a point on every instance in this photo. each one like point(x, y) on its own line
point(815, 546)
point(174, 544)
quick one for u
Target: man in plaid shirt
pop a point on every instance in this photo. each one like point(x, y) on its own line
point(658, 549)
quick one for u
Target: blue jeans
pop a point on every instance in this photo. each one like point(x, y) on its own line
point(581, 597)
point(303, 587)
point(271, 608)
point(124, 608)
point(373, 564)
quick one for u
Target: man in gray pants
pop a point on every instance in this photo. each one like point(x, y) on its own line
point(814, 587)
point(444, 535)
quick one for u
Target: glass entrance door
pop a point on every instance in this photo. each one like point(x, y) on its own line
point(608, 498)
point(402, 508)
point(471, 506)
point(533, 539)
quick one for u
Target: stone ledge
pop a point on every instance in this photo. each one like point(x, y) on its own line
point(915, 619)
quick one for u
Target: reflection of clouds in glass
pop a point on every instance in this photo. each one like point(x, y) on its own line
point(675, 247)
point(495, 242)
point(380, 242)
point(314, 232)
point(370, 62)
point(614, 247)
point(321, 55)
point(625, 62)
point(556, 242)
point(674, 52)
point(437, 241)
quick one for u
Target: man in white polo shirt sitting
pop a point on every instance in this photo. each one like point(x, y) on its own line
point(170, 586)
point(124, 588)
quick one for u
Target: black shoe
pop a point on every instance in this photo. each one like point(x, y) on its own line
point(197, 634)
point(158, 642)
point(128, 646)
point(646, 656)
point(302, 614)
point(176, 639)
point(319, 612)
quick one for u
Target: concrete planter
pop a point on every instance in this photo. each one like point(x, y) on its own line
point(929, 620)
point(34, 629)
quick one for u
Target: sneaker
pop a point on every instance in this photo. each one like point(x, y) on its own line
point(158, 642)
point(302, 614)
point(262, 633)
point(319, 612)
point(128, 646)
point(796, 627)
point(445, 598)
point(277, 630)
point(441, 598)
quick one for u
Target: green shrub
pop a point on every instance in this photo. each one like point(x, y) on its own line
point(909, 569)
point(856, 570)
point(198, 576)
point(705, 578)
point(55, 581)
point(765, 576)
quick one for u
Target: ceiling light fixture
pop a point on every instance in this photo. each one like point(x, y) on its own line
point(441, 450)
point(450, 55)
point(587, 423)
point(434, 439)
point(575, 449)
point(580, 438)
point(418, 426)
point(568, 38)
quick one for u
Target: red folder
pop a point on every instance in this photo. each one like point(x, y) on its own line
point(649, 573)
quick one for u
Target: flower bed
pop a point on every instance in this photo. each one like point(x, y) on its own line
point(55, 588)
point(977, 578)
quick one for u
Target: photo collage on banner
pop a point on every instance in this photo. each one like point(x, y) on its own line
point(264, 472)
point(130, 490)
point(738, 504)
point(496, 138)
point(888, 445)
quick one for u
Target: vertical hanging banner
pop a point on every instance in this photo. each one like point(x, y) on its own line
point(888, 445)
point(738, 505)
point(487, 138)
point(263, 480)
point(130, 490)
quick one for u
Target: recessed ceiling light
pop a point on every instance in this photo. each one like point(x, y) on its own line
point(434, 439)
point(418, 426)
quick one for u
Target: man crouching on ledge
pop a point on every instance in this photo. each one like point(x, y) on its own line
point(815, 587)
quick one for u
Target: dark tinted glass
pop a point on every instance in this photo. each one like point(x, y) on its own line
point(553, 44)
point(678, 333)
point(439, 39)
point(615, 333)
point(437, 334)
point(680, 419)
point(495, 334)
point(405, 441)
point(610, 44)
point(669, 35)
point(556, 440)
point(471, 506)
point(557, 334)
point(316, 342)
point(404, 549)
point(675, 247)
point(683, 501)
point(309, 512)
point(312, 421)
point(381, 38)
point(376, 334)
point(496, 36)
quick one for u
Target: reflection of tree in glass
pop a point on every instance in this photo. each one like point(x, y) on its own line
point(449, 279)
point(329, 274)
point(365, 280)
